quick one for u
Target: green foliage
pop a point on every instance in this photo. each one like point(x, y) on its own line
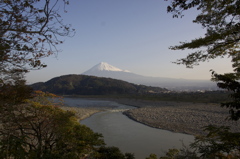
point(177, 154)
point(171, 154)
point(230, 83)
point(113, 153)
point(129, 155)
point(31, 125)
point(90, 85)
point(152, 156)
point(39, 129)
point(30, 30)
point(219, 142)
point(14, 94)
point(220, 18)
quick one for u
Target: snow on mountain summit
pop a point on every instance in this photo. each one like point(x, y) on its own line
point(103, 69)
point(103, 66)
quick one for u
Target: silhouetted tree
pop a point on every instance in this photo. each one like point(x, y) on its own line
point(220, 18)
point(29, 31)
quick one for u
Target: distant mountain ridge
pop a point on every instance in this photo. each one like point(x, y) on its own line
point(103, 69)
point(91, 85)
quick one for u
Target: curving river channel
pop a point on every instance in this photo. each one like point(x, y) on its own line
point(130, 136)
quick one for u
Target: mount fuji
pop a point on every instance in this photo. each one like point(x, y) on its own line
point(103, 66)
point(104, 69)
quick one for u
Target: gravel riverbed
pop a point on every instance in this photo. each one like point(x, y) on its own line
point(189, 118)
point(81, 113)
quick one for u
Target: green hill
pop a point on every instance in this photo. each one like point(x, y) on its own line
point(91, 85)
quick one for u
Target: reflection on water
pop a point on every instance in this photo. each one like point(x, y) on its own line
point(130, 136)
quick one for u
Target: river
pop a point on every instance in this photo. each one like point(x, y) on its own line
point(130, 136)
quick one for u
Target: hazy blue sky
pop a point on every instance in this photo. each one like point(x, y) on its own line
point(132, 35)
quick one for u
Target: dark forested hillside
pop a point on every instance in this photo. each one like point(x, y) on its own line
point(90, 85)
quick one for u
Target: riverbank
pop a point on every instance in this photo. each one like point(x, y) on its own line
point(81, 113)
point(189, 118)
point(180, 117)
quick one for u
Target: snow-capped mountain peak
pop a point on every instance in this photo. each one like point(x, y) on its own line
point(103, 69)
point(103, 66)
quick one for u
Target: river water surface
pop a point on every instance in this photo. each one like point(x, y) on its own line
point(130, 136)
